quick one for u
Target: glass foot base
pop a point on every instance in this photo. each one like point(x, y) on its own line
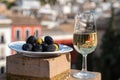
point(84, 75)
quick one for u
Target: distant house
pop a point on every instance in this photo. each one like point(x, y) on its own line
point(48, 11)
point(26, 7)
point(23, 27)
point(5, 38)
point(2, 8)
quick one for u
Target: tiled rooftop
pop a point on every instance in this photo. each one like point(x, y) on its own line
point(62, 29)
point(22, 20)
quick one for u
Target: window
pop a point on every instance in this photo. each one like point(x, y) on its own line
point(18, 35)
point(2, 39)
point(2, 70)
point(37, 33)
point(27, 33)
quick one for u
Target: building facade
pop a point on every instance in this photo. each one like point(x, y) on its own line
point(5, 39)
point(23, 27)
point(22, 32)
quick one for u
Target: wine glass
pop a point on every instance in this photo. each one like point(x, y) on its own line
point(85, 40)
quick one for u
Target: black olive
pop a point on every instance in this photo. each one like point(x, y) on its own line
point(44, 46)
point(51, 48)
point(31, 40)
point(37, 48)
point(27, 47)
point(49, 40)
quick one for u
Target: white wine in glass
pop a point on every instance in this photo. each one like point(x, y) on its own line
point(85, 40)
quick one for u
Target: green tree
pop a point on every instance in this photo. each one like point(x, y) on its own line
point(52, 2)
point(8, 4)
point(105, 0)
point(110, 55)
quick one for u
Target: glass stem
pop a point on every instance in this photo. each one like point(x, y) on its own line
point(84, 63)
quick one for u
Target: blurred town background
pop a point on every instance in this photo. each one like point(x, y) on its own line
point(22, 18)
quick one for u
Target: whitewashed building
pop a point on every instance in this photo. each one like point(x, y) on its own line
point(5, 39)
point(26, 7)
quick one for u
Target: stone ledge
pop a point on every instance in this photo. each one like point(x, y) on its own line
point(98, 77)
point(38, 68)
